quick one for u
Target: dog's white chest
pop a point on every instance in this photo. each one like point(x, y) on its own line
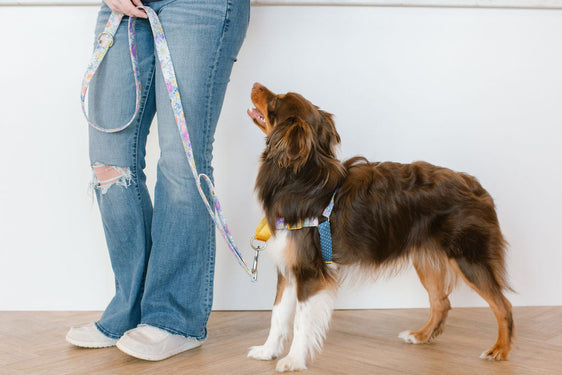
point(276, 248)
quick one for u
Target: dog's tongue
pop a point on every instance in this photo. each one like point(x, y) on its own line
point(256, 115)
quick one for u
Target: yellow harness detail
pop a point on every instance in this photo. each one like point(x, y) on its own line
point(263, 232)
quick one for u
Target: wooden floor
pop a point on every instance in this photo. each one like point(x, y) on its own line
point(359, 342)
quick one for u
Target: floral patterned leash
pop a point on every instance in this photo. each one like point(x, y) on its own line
point(105, 41)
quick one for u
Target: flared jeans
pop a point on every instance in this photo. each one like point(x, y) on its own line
point(163, 252)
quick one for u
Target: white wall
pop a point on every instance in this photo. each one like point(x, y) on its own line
point(472, 89)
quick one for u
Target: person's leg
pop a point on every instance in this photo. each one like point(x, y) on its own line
point(117, 161)
point(204, 38)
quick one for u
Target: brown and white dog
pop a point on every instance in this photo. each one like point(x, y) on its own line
point(385, 216)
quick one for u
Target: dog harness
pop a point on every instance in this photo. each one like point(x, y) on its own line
point(263, 232)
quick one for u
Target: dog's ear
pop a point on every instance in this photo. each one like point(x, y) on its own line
point(291, 143)
point(328, 137)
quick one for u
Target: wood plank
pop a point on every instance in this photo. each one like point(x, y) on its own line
point(359, 342)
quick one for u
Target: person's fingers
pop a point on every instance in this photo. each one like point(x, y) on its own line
point(133, 11)
point(126, 7)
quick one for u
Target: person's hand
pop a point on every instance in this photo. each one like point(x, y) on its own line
point(127, 7)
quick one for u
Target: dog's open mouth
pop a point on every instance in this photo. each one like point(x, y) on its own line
point(257, 116)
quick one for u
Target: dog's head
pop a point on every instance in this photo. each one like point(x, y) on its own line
point(296, 129)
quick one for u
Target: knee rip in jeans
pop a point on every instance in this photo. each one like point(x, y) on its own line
point(106, 176)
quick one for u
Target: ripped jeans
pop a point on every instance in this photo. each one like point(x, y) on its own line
point(162, 255)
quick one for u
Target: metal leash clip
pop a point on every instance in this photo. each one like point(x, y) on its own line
point(258, 246)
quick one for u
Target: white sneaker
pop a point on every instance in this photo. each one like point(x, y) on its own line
point(89, 336)
point(154, 344)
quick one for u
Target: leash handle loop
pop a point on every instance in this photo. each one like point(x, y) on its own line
point(104, 42)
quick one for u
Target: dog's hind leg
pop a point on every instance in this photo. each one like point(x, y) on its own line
point(482, 278)
point(435, 276)
point(281, 318)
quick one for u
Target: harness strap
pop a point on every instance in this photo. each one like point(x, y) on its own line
point(326, 233)
point(306, 223)
point(105, 40)
point(263, 233)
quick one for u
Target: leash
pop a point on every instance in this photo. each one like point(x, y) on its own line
point(104, 42)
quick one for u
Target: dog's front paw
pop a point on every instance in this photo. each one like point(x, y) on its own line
point(262, 353)
point(290, 363)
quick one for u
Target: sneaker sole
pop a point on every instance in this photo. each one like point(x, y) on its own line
point(149, 357)
point(90, 344)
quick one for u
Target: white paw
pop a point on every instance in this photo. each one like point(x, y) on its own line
point(290, 364)
point(262, 353)
point(408, 337)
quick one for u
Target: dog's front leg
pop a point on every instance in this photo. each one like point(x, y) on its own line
point(311, 324)
point(281, 318)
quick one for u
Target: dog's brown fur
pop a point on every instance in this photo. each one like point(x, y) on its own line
point(384, 215)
